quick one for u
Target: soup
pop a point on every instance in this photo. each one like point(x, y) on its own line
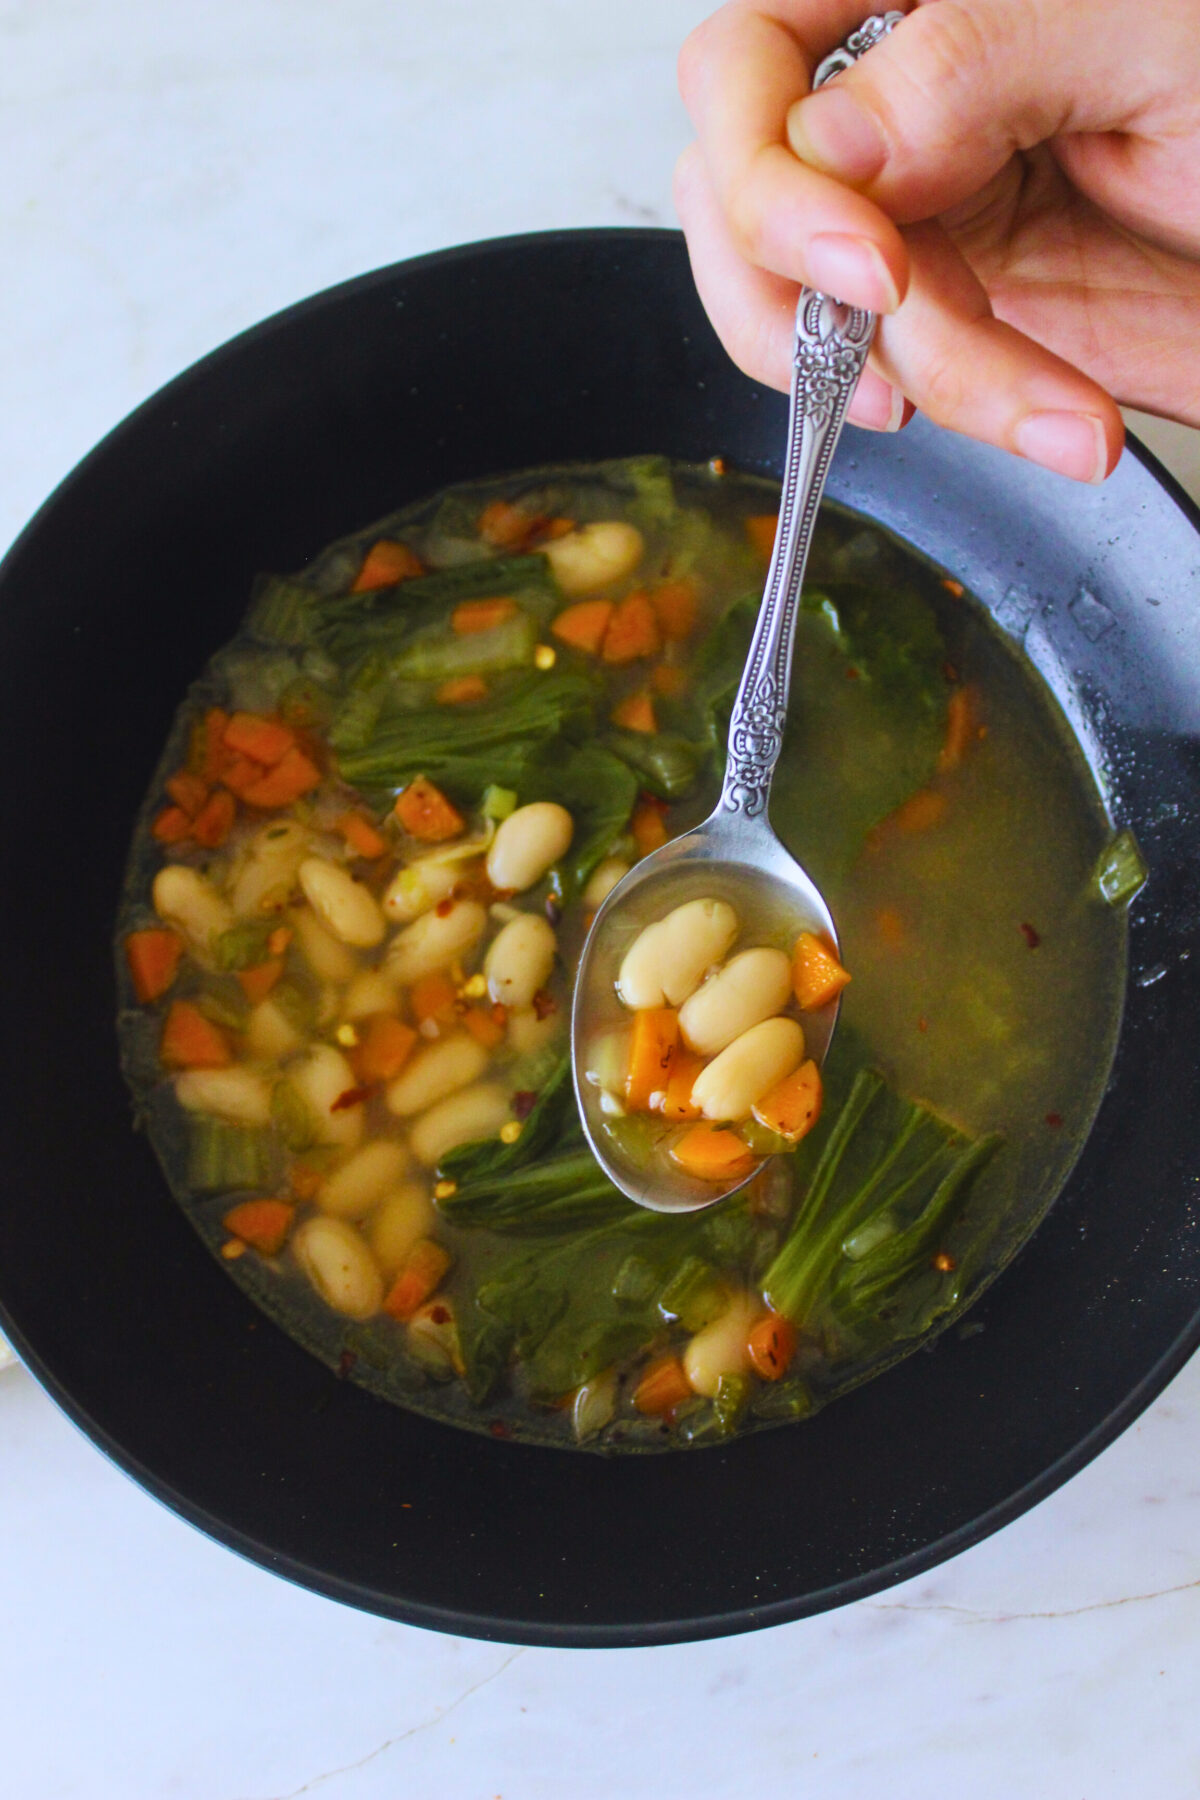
point(361, 882)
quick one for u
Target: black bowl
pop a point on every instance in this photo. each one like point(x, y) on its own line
point(569, 346)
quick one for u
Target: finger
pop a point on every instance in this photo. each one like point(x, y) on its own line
point(753, 311)
point(967, 370)
point(934, 110)
point(738, 74)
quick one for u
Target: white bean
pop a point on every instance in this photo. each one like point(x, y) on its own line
point(264, 875)
point(320, 1080)
point(722, 1347)
point(447, 1065)
point(189, 901)
point(361, 1183)
point(397, 1223)
point(340, 1266)
point(240, 1095)
point(369, 992)
point(520, 960)
point(752, 986)
point(434, 941)
point(329, 959)
point(527, 843)
point(345, 907)
point(669, 959)
point(526, 1032)
point(270, 1034)
point(594, 555)
point(604, 879)
point(477, 1112)
point(432, 1335)
point(414, 890)
point(748, 1068)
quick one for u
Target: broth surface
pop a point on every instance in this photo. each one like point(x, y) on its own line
point(929, 786)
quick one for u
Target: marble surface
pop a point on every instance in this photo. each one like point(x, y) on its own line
point(172, 173)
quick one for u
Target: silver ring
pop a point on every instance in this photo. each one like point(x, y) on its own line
point(869, 33)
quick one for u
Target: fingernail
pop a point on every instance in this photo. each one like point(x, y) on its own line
point(830, 131)
point(852, 269)
point(1069, 443)
point(877, 405)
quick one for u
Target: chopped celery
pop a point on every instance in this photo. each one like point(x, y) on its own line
point(635, 1281)
point(440, 654)
point(227, 1158)
point(1120, 872)
point(498, 802)
point(694, 1295)
point(732, 1399)
point(243, 945)
point(762, 1140)
point(225, 1004)
point(291, 1116)
point(283, 611)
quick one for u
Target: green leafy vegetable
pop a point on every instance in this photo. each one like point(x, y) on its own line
point(438, 654)
point(226, 1158)
point(665, 764)
point(599, 791)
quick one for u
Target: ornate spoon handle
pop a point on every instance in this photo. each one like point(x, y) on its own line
point(832, 342)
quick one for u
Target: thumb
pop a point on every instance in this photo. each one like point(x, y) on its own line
point(935, 109)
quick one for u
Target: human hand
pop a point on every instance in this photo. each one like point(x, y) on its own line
point(1013, 185)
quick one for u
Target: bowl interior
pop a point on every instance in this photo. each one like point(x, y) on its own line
point(569, 346)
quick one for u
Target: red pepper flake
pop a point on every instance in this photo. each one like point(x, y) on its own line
point(440, 1315)
point(1054, 1120)
point(500, 1013)
point(1032, 937)
point(922, 1023)
point(949, 671)
point(523, 1103)
point(498, 1428)
point(944, 1263)
point(353, 1097)
point(346, 1362)
point(445, 907)
point(553, 909)
point(853, 674)
point(544, 1004)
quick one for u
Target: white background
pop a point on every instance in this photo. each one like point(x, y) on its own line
point(171, 173)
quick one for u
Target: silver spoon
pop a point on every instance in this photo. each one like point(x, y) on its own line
point(735, 852)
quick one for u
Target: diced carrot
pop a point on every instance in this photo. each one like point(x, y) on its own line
point(651, 1051)
point(472, 616)
point(504, 525)
point(304, 1180)
point(583, 625)
point(668, 681)
point(213, 823)
point(292, 776)
point(484, 1026)
point(677, 1104)
point(241, 773)
point(962, 725)
point(712, 1154)
point(172, 826)
point(263, 1224)
point(663, 1387)
point(385, 1047)
point(793, 1106)
point(419, 1277)
point(425, 812)
point(461, 690)
point(632, 631)
point(216, 757)
point(920, 812)
point(760, 531)
point(676, 604)
point(190, 1041)
point(279, 939)
point(890, 927)
point(954, 587)
point(266, 740)
point(361, 835)
point(433, 997)
point(188, 791)
point(635, 713)
point(386, 563)
point(817, 975)
point(648, 827)
point(256, 983)
point(771, 1346)
point(153, 957)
